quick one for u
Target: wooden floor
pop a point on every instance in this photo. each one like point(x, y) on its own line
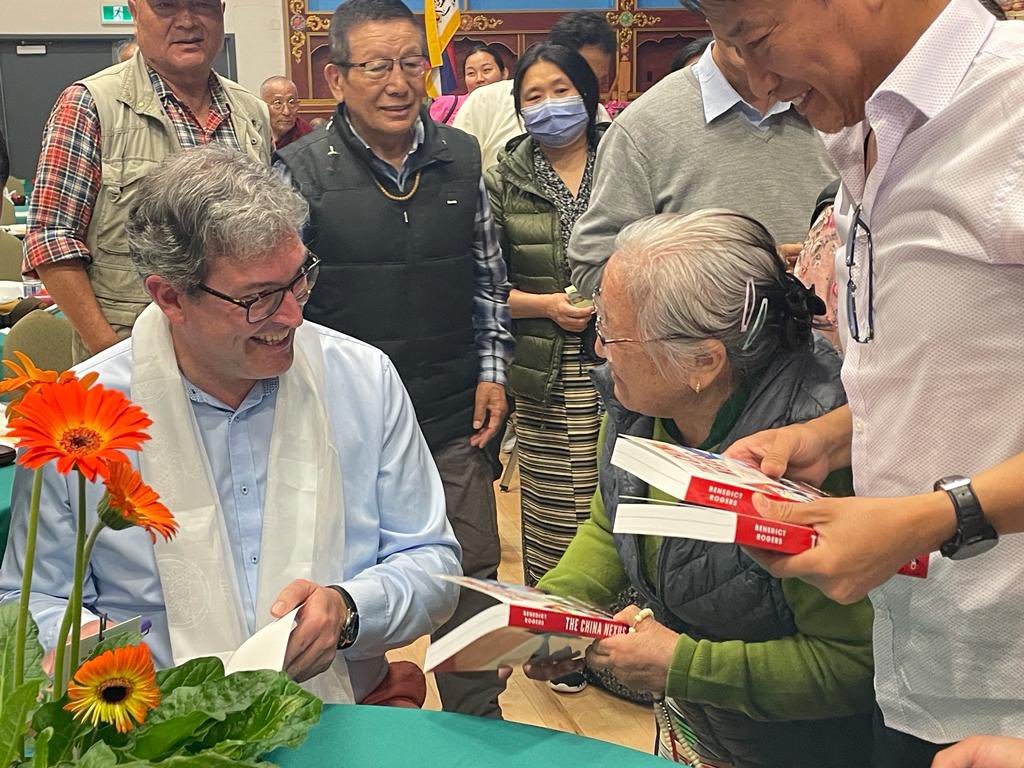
point(592, 712)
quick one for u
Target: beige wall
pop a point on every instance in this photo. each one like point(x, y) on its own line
point(258, 27)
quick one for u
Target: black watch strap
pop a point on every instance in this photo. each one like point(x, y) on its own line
point(974, 534)
point(350, 627)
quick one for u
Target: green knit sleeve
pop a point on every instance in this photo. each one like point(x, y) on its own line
point(825, 670)
point(590, 569)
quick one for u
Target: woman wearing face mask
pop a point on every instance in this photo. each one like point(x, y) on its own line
point(538, 189)
point(482, 66)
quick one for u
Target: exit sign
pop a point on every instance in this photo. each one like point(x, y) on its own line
point(117, 14)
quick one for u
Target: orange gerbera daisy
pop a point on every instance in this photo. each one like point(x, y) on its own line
point(80, 427)
point(27, 375)
point(129, 501)
point(118, 687)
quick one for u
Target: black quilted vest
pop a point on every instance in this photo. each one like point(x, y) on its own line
point(399, 274)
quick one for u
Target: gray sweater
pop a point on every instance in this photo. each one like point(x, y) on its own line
point(660, 156)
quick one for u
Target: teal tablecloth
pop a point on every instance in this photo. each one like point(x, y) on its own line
point(384, 737)
point(6, 483)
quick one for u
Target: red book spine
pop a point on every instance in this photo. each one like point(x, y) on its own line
point(709, 493)
point(770, 534)
point(541, 620)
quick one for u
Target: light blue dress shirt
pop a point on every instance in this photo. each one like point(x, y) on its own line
point(720, 97)
point(397, 537)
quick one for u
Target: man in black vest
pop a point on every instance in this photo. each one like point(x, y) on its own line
point(410, 263)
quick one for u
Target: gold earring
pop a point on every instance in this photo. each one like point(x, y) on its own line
point(696, 389)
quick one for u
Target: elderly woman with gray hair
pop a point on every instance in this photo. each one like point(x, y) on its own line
point(708, 340)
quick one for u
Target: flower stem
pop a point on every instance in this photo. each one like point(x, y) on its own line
point(21, 628)
point(76, 623)
point(73, 613)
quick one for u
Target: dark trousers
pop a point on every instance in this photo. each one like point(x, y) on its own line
point(467, 474)
point(895, 749)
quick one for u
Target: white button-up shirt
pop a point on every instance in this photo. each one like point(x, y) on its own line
point(938, 390)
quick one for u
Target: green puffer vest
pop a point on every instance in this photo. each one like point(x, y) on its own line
point(528, 229)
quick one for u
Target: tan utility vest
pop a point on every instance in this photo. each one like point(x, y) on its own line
point(136, 135)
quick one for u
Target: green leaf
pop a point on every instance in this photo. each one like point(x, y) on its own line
point(66, 730)
point(153, 742)
point(33, 651)
point(201, 760)
point(14, 716)
point(99, 756)
point(41, 749)
point(186, 714)
point(113, 639)
point(274, 721)
point(190, 674)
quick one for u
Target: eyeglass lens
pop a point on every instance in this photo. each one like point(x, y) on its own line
point(267, 305)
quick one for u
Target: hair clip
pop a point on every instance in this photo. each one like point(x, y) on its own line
point(751, 324)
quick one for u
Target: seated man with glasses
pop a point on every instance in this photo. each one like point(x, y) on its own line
point(282, 99)
point(289, 454)
point(708, 339)
point(400, 219)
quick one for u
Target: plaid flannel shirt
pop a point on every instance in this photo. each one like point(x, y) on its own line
point(69, 172)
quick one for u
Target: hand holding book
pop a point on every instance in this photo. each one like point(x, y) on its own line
point(725, 500)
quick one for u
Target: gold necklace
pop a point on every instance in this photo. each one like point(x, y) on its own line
point(400, 198)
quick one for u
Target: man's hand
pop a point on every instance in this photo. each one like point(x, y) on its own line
point(566, 314)
point(983, 752)
point(640, 659)
point(314, 642)
point(68, 284)
point(545, 669)
point(862, 542)
point(798, 451)
point(790, 252)
point(488, 413)
point(88, 630)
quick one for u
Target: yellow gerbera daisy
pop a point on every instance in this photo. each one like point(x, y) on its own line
point(118, 687)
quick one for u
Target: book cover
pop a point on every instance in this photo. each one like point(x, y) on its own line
point(705, 479)
point(717, 500)
point(709, 524)
point(524, 624)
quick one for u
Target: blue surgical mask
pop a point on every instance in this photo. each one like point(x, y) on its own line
point(556, 122)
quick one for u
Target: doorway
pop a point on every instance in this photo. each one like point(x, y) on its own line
point(33, 72)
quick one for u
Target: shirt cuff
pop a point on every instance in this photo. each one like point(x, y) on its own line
point(493, 369)
point(372, 604)
point(678, 679)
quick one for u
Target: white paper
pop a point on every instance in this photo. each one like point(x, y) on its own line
point(265, 649)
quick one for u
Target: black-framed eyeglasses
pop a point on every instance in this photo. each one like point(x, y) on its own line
point(259, 306)
point(599, 329)
point(851, 285)
point(380, 69)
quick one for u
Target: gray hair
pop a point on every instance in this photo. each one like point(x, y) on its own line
point(351, 13)
point(207, 203)
point(688, 275)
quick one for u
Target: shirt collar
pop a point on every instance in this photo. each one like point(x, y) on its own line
point(719, 97)
point(929, 75)
point(418, 133)
point(263, 389)
point(218, 102)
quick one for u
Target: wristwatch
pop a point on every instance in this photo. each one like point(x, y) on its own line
point(974, 534)
point(349, 627)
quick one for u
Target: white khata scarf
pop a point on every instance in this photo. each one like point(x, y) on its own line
point(303, 533)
